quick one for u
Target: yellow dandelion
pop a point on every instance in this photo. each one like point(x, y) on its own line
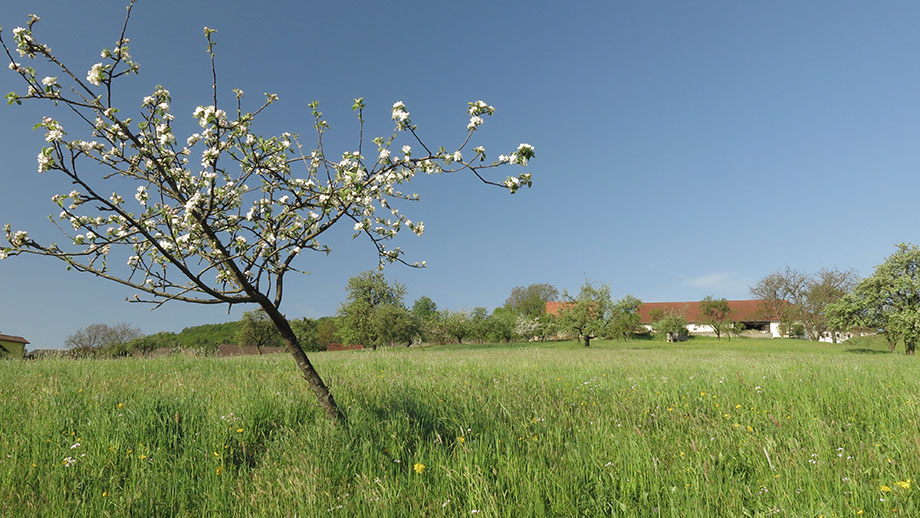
point(903, 484)
point(776, 476)
point(884, 489)
point(219, 471)
point(121, 405)
point(860, 512)
point(461, 439)
point(418, 467)
point(239, 430)
point(142, 457)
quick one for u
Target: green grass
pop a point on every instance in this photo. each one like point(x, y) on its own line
point(704, 428)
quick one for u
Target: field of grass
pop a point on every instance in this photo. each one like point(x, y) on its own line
point(704, 428)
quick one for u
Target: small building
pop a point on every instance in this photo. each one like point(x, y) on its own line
point(12, 346)
point(748, 312)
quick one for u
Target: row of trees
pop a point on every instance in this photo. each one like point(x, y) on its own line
point(102, 340)
point(375, 315)
point(801, 301)
point(834, 301)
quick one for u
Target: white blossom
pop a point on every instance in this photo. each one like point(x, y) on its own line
point(19, 238)
point(44, 162)
point(95, 74)
point(141, 195)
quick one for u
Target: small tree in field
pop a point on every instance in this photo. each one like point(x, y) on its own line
point(673, 325)
point(589, 312)
point(374, 313)
point(457, 325)
point(220, 216)
point(258, 330)
point(715, 313)
point(734, 329)
point(625, 319)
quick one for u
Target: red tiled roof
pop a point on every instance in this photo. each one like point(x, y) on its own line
point(10, 338)
point(741, 311)
point(554, 308)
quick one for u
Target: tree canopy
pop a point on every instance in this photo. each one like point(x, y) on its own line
point(97, 336)
point(588, 313)
point(373, 313)
point(222, 215)
point(531, 300)
point(715, 313)
point(888, 300)
point(625, 318)
point(797, 298)
point(256, 329)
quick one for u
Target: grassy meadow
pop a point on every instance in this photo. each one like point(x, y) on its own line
point(705, 428)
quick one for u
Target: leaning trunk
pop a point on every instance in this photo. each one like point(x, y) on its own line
point(319, 388)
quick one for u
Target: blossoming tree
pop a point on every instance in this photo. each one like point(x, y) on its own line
point(222, 216)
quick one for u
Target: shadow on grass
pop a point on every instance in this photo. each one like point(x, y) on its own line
point(423, 419)
point(863, 350)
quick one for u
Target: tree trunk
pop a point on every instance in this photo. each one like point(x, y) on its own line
point(319, 388)
point(587, 341)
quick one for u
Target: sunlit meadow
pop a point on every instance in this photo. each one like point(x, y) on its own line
point(705, 428)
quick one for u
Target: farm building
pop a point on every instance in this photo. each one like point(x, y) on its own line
point(748, 312)
point(12, 346)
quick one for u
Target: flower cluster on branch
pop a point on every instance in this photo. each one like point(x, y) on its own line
point(221, 215)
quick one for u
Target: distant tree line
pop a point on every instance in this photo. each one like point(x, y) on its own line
point(374, 314)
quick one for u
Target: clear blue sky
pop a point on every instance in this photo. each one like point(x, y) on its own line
point(684, 149)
